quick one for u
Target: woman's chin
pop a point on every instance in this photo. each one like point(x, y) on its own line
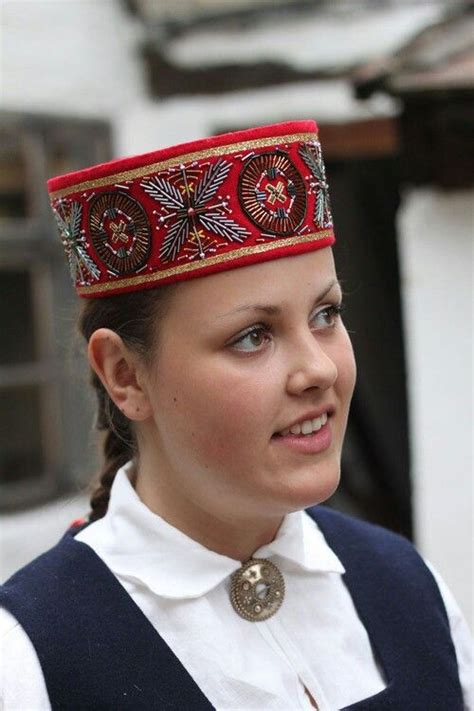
point(310, 487)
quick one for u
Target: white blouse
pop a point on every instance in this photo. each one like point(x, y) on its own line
point(183, 588)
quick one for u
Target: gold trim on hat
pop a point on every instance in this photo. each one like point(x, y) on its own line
point(176, 160)
point(158, 275)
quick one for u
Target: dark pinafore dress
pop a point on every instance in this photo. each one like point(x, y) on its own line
point(98, 651)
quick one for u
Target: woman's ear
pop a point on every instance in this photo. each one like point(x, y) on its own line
point(120, 372)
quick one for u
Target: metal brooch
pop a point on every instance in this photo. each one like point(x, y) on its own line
point(257, 589)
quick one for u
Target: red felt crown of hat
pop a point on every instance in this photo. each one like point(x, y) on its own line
point(194, 209)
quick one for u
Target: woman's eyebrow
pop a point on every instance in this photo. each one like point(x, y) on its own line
point(272, 310)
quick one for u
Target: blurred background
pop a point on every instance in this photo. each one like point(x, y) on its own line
point(391, 86)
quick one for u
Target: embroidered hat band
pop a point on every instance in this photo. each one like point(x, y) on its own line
point(194, 209)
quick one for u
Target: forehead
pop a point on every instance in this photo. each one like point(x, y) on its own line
point(276, 281)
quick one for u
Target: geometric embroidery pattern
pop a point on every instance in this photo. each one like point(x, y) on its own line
point(191, 214)
point(312, 156)
point(120, 231)
point(68, 216)
point(272, 193)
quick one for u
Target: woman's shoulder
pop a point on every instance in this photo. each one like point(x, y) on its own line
point(22, 684)
point(345, 529)
point(46, 600)
point(52, 581)
point(377, 558)
point(63, 556)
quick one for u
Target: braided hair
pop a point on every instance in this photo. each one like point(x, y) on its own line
point(134, 317)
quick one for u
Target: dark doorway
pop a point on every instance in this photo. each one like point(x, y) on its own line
point(375, 481)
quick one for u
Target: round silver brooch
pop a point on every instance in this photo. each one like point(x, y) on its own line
point(257, 589)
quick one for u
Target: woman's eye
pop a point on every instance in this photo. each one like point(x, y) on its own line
point(257, 336)
point(328, 316)
point(253, 340)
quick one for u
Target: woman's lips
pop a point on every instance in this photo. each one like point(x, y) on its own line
point(310, 443)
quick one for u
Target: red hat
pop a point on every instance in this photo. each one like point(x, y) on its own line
point(194, 209)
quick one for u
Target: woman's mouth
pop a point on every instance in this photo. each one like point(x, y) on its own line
point(307, 427)
point(309, 436)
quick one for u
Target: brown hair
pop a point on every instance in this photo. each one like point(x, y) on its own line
point(134, 317)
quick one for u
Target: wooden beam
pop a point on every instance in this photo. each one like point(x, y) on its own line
point(360, 139)
point(166, 79)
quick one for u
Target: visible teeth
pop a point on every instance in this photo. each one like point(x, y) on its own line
point(307, 427)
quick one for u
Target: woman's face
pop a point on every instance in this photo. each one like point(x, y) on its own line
point(243, 355)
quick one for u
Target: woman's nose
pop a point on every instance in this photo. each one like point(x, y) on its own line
point(311, 366)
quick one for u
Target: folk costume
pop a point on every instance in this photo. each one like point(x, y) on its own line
point(128, 611)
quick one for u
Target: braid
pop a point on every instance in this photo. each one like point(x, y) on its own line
point(118, 446)
point(118, 437)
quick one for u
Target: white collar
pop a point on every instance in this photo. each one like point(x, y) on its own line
point(141, 545)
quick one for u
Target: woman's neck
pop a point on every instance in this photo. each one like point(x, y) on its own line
point(232, 536)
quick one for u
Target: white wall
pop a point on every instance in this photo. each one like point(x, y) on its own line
point(80, 57)
point(69, 56)
point(436, 231)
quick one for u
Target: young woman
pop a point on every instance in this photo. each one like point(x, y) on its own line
point(206, 574)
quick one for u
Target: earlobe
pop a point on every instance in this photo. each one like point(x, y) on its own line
point(117, 368)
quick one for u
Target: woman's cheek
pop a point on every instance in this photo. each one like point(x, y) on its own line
point(230, 409)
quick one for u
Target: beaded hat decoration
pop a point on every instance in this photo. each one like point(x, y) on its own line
point(193, 209)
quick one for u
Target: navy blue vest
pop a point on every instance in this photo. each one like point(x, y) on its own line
point(98, 651)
